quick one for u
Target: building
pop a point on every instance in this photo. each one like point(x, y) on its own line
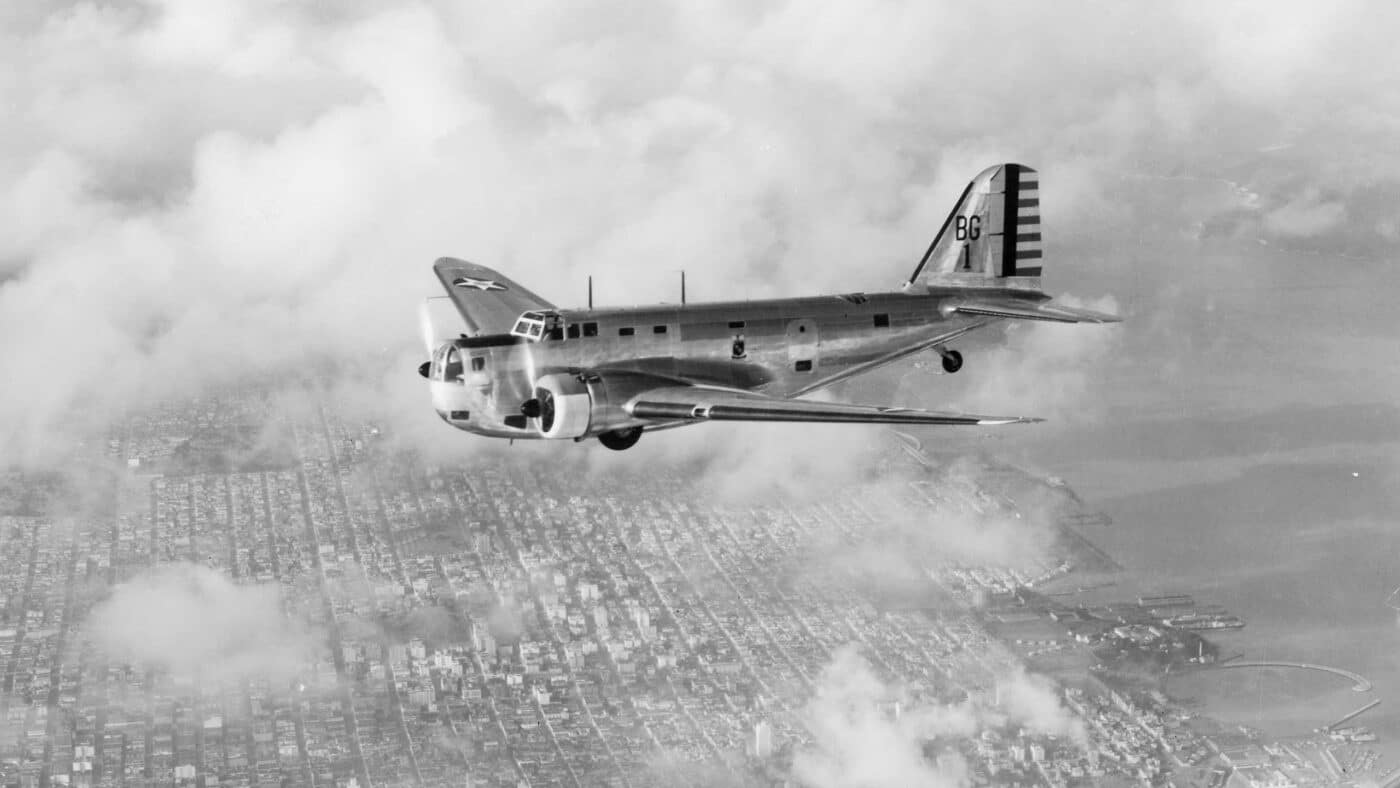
point(761, 739)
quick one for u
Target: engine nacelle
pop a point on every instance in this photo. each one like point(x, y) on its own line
point(566, 407)
point(581, 406)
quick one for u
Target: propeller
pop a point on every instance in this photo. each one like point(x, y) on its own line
point(530, 408)
point(425, 325)
point(436, 327)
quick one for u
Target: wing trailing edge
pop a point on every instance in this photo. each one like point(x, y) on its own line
point(695, 403)
point(1053, 313)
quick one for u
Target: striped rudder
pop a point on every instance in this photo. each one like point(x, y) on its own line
point(1021, 257)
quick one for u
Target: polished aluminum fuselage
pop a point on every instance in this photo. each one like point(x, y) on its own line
point(780, 348)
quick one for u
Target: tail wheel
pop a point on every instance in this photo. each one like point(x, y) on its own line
point(952, 361)
point(621, 440)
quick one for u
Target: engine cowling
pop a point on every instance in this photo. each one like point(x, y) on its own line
point(565, 406)
point(580, 406)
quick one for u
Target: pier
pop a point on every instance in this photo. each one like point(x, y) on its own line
point(1348, 718)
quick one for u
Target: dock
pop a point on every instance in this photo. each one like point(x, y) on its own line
point(1353, 715)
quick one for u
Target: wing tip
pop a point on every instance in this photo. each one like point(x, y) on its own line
point(993, 421)
point(1094, 316)
point(1091, 315)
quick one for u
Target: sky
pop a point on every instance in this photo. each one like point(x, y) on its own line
point(198, 193)
point(192, 195)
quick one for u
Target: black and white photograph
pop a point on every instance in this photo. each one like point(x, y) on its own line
point(741, 394)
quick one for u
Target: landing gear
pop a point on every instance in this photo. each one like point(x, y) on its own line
point(952, 360)
point(619, 440)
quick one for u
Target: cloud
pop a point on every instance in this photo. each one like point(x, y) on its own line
point(894, 551)
point(871, 733)
point(856, 742)
point(1046, 370)
point(1031, 700)
point(1308, 214)
point(191, 619)
point(194, 199)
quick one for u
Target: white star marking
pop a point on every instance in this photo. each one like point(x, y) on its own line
point(479, 284)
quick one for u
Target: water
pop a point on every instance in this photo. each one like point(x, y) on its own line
point(1305, 550)
point(1244, 436)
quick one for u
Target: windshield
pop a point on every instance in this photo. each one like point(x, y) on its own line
point(534, 325)
point(452, 369)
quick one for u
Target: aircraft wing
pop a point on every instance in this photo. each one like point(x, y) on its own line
point(1027, 310)
point(488, 301)
point(690, 404)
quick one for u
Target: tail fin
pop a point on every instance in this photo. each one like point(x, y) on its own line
point(992, 237)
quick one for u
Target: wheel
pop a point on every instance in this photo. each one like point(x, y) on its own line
point(621, 440)
point(952, 361)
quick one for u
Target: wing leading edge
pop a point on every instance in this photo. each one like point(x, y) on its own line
point(697, 403)
point(489, 302)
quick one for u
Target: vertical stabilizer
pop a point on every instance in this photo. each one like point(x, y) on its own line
point(992, 236)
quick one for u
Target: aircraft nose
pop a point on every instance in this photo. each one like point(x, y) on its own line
point(424, 368)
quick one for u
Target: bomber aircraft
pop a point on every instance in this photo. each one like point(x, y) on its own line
point(526, 369)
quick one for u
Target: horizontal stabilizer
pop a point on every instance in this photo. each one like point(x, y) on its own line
point(697, 403)
point(1053, 313)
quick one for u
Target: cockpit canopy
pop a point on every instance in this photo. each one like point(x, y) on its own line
point(447, 364)
point(460, 365)
point(535, 326)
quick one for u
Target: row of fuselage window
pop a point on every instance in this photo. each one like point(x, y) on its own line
point(575, 330)
point(590, 329)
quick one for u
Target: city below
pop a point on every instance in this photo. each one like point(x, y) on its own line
point(224, 592)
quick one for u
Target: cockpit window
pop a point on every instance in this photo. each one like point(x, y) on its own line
point(534, 325)
point(478, 363)
point(439, 360)
point(452, 370)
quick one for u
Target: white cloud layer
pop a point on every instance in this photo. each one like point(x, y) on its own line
point(196, 194)
point(193, 620)
point(858, 742)
point(857, 739)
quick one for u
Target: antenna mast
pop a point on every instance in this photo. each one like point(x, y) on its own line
point(590, 291)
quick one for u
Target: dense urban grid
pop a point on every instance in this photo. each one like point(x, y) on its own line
point(519, 623)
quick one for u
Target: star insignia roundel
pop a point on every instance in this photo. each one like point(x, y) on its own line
point(479, 284)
